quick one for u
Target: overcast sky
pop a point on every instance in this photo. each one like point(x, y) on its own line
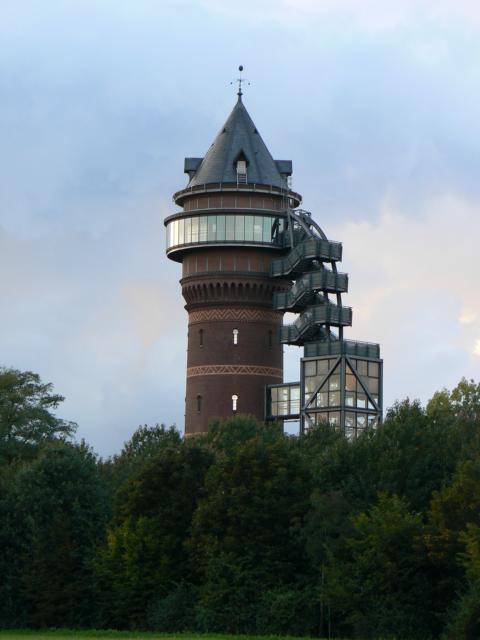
point(377, 103)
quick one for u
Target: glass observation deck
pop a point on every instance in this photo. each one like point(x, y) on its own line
point(225, 228)
point(340, 390)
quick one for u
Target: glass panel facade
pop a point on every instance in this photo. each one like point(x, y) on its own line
point(284, 401)
point(343, 392)
point(225, 228)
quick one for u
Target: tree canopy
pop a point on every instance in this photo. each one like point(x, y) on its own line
point(244, 529)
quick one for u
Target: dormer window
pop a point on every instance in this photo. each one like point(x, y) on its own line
point(241, 168)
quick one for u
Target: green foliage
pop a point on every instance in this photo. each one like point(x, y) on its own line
point(56, 513)
point(145, 443)
point(26, 415)
point(174, 612)
point(383, 583)
point(145, 555)
point(244, 530)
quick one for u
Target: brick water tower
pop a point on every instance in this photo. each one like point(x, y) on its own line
point(233, 224)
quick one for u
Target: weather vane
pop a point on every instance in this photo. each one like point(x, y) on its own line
point(240, 80)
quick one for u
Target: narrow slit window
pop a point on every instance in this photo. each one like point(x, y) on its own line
point(270, 338)
point(235, 336)
point(199, 403)
point(234, 402)
point(200, 337)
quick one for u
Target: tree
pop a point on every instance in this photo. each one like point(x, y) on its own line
point(463, 402)
point(245, 529)
point(454, 511)
point(26, 415)
point(145, 443)
point(384, 592)
point(145, 555)
point(56, 513)
point(464, 622)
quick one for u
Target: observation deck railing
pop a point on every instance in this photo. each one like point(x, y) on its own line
point(298, 258)
point(303, 291)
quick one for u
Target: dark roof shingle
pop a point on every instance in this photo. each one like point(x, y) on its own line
point(238, 135)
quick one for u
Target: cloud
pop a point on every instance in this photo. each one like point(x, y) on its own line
point(375, 102)
point(411, 273)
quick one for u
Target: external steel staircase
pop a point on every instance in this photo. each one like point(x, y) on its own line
point(311, 262)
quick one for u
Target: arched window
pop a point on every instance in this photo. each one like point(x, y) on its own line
point(235, 336)
point(199, 403)
point(234, 403)
point(200, 337)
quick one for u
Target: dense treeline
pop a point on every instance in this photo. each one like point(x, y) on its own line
point(244, 530)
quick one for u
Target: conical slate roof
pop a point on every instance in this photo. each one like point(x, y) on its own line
point(239, 138)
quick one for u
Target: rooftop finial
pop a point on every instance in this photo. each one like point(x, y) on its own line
point(240, 80)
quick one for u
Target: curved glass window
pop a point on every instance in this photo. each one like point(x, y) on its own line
point(226, 228)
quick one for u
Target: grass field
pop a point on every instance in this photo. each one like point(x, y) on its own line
point(65, 634)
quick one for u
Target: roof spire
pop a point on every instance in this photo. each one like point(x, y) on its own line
point(240, 80)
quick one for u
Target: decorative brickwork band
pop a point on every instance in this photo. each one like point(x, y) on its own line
point(234, 315)
point(234, 369)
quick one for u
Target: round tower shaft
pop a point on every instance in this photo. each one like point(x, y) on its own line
point(232, 226)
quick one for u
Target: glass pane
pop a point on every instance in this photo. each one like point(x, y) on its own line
point(321, 418)
point(334, 382)
point(274, 409)
point(372, 385)
point(349, 432)
point(212, 228)
point(175, 232)
point(249, 228)
point(267, 229)
point(274, 395)
point(373, 369)
point(350, 382)
point(239, 228)
point(349, 419)
point(311, 384)
point(276, 230)
point(310, 368)
point(283, 408)
point(181, 228)
point(295, 406)
point(220, 227)
point(283, 393)
point(257, 229)
point(362, 367)
point(188, 230)
point(361, 401)
point(350, 399)
point(322, 366)
point(295, 393)
point(334, 418)
point(322, 399)
point(371, 420)
point(361, 420)
point(230, 228)
point(334, 399)
point(202, 237)
point(194, 229)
